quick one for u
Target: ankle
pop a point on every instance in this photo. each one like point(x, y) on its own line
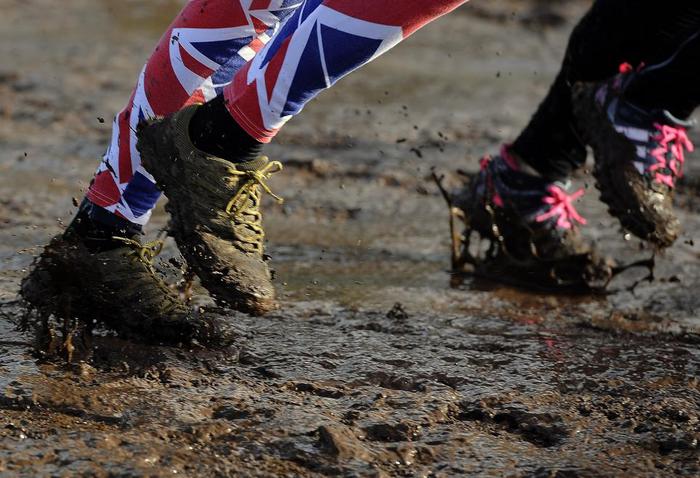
point(551, 170)
point(214, 131)
point(97, 228)
point(516, 162)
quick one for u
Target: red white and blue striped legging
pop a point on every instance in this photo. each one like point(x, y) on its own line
point(268, 57)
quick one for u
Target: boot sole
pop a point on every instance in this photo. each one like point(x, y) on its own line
point(567, 275)
point(539, 275)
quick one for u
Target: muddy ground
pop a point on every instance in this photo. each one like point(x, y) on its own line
point(481, 380)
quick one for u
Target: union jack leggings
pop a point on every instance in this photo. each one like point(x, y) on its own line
point(267, 57)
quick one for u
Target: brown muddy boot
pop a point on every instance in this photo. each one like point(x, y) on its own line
point(533, 229)
point(215, 212)
point(120, 287)
point(639, 156)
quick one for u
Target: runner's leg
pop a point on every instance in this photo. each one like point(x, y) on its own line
point(198, 54)
point(611, 33)
point(214, 192)
point(322, 42)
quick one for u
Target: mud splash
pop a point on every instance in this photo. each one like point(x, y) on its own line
point(480, 380)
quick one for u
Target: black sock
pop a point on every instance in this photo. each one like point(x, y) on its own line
point(214, 131)
point(550, 144)
point(97, 228)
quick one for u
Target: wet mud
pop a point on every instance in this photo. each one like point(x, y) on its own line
point(374, 365)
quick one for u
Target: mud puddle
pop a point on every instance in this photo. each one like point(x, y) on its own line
point(481, 380)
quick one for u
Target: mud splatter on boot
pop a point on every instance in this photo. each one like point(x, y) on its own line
point(215, 212)
point(119, 287)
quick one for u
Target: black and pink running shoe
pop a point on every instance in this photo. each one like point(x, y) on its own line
point(534, 224)
point(639, 156)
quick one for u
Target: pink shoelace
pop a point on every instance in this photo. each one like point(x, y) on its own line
point(505, 155)
point(671, 139)
point(674, 140)
point(484, 164)
point(562, 207)
point(510, 161)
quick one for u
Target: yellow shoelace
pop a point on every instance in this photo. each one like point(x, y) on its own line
point(244, 205)
point(144, 252)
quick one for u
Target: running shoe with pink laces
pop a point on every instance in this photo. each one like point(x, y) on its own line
point(639, 156)
point(535, 225)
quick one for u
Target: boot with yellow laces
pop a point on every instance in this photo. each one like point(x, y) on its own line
point(214, 205)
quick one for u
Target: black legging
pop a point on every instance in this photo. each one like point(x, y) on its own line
point(611, 33)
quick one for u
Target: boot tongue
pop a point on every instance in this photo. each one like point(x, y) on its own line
point(254, 165)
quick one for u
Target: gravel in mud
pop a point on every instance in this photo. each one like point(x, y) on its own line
point(374, 366)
